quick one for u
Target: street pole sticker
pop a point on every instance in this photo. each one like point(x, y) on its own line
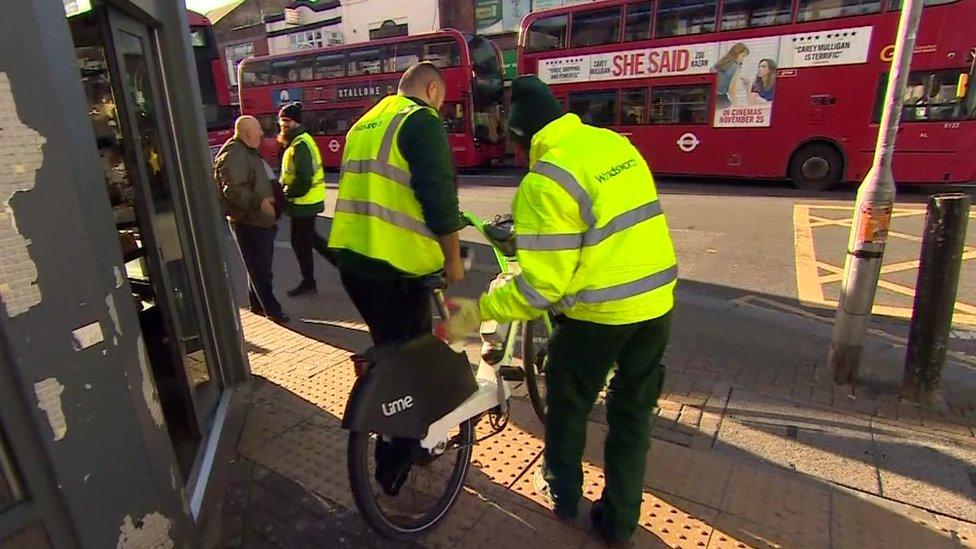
point(873, 222)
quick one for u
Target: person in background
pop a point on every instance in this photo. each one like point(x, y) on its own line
point(303, 180)
point(246, 187)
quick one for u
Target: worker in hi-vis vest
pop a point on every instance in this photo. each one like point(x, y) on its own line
point(595, 251)
point(397, 219)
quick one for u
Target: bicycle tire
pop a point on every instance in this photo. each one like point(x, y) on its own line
point(357, 455)
point(531, 366)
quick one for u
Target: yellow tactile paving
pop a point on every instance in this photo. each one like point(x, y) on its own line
point(811, 283)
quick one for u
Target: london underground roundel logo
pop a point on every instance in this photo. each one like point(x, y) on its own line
point(688, 142)
point(334, 145)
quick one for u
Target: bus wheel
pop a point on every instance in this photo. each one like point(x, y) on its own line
point(816, 167)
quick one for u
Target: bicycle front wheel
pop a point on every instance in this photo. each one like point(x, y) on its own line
point(432, 486)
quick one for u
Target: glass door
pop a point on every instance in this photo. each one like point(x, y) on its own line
point(162, 221)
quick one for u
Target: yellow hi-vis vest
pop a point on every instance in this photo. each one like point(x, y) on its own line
point(592, 240)
point(377, 214)
point(316, 193)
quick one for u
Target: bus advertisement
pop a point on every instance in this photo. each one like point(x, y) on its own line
point(338, 84)
point(764, 89)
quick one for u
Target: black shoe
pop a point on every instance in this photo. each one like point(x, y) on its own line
point(392, 465)
point(280, 318)
point(303, 288)
point(596, 519)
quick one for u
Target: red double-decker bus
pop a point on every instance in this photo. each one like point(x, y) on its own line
point(217, 109)
point(338, 84)
point(764, 88)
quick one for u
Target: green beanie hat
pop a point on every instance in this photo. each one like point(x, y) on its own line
point(533, 106)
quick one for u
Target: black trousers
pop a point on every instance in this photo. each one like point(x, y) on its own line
point(394, 310)
point(257, 250)
point(303, 240)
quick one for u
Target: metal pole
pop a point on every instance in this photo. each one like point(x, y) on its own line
point(872, 215)
point(935, 295)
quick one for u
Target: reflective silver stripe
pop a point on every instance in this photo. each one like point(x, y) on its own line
point(548, 242)
point(386, 147)
point(571, 185)
point(531, 295)
point(622, 222)
point(379, 168)
point(392, 217)
point(559, 242)
point(622, 291)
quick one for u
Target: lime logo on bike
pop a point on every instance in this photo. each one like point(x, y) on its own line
point(396, 406)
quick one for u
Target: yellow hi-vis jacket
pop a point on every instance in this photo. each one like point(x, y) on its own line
point(316, 192)
point(377, 214)
point(592, 240)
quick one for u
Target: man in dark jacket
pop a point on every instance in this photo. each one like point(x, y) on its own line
point(246, 188)
point(303, 178)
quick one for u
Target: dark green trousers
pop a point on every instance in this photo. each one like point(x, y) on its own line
point(581, 355)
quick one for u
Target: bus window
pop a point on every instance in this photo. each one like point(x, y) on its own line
point(306, 68)
point(365, 62)
point(331, 65)
point(254, 74)
point(442, 53)
point(403, 55)
point(680, 104)
point(895, 5)
point(633, 107)
point(681, 17)
point(547, 33)
point(744, 14)
point(638, 21)
point(814, 10)
point(452, 113)
point(284, 71)
point(332, 121)
point(594, 28)
point(930, 96)
point(595, 108)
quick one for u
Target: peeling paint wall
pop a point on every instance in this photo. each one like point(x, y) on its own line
point(20, 158)
point(48, 393)
point(150, 532)
point(148, 387)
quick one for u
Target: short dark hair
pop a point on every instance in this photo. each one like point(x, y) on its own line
point(419, 75)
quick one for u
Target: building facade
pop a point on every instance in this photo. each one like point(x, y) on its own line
point(240, 32)
point(122, 371)
point(304, 24)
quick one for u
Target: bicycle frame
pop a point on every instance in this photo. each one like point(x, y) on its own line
point(493, 391)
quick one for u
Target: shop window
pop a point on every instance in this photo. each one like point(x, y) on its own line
point(403, 55)
point(633, 107)
point(332, 121)
point(595, 108)
point(681, 17)
point(332, 65)
point(815, 10)
point(547, 33)
point(680, 104)
point(932, 96)
point(745, 14)
point(234, 55)
point(255, 74)
point(638, 21)
point(594, 28)
point(442, 53)
point(364, 62)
